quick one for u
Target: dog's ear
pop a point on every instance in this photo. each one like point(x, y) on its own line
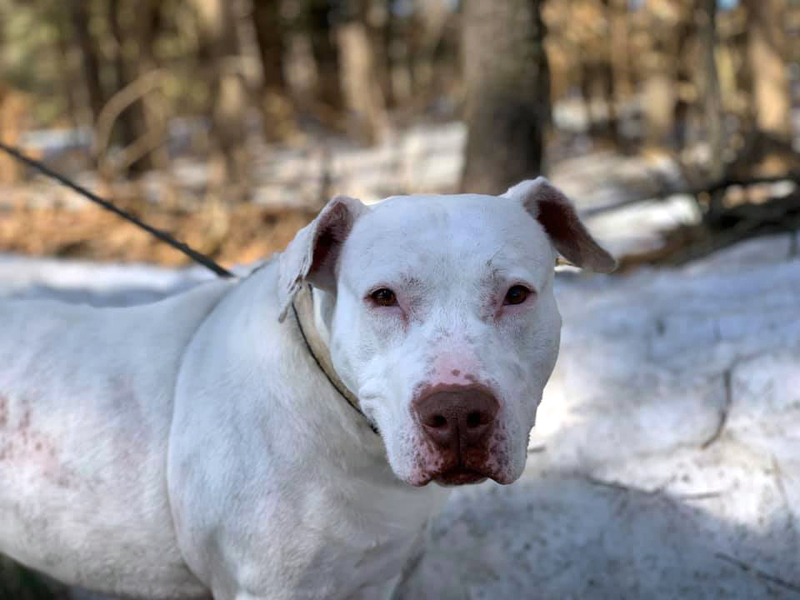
point(313, 253)
point(556, 214)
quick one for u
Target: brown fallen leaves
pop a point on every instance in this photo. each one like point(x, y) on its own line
point(230, 235)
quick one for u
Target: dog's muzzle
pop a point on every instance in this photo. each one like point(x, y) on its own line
point(457, 423)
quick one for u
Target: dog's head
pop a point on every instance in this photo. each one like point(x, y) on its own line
point(442, 320)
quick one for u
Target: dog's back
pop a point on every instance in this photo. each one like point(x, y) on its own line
point(82, 389)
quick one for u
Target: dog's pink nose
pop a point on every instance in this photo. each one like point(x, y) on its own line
point(458, 417)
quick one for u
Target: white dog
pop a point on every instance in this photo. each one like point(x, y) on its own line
point(275, 437)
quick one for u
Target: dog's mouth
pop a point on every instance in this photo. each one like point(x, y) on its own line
point(459, 476)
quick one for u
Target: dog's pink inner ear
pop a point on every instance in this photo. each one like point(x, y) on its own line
point(557, 216)
point(314, 252)
point(330, 235)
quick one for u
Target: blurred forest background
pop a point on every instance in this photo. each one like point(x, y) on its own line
point(231, 122)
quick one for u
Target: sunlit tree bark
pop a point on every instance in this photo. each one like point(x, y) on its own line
point(363, 94)
point(766, 48)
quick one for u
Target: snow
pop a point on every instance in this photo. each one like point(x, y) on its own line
point(88, 283)
point(665, 451)
point(665, 457)
point(636, 227)
point(422, 158)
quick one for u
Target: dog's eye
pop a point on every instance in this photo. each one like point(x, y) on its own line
point(384, 297)
point(517, 294)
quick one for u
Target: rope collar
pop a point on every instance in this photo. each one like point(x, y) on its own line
point(319, 351)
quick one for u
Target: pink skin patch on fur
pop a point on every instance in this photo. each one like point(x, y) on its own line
point(20, 442)
point(497, 460)
point(426, 462)
point(452, 369)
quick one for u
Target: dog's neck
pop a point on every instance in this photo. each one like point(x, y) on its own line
point(311, 312)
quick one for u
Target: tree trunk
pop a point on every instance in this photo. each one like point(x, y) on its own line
point(585, 76)
point(669, 32)
point(620, 48)
point(507, 92)
point(65, 55)
point(154, 105)
point(607, 75)
point(384, 31)
point(658, 101)
point(13, 114)
point(364, 101)
point(686, 69)
point(90, 56)
point(766, 49)
point(132, 122)
point(432, 17)
point(270, 38)
point(227, 101)
point(712, 100)
point(276, 108)
point(326, 54)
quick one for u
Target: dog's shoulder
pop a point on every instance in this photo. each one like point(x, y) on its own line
point(39, 320)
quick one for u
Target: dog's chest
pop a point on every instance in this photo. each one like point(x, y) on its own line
point(338, 539)
point(348, 551)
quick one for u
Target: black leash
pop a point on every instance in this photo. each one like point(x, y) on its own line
point(158, 233)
